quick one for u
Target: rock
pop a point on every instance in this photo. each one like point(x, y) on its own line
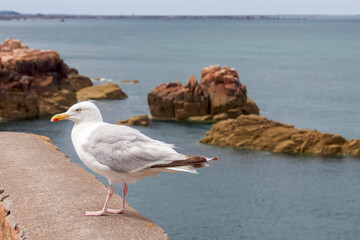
point(352, 147)
point(250, 107)
point(286, 146)
point(202, 118)
point(129, 81)
point(253, 131)
point(224, 88)
point(175, 101)
point(220, 116)
point(70, 70)
point(141, 120)
point(11, 44)
point(219, 92)
point(78, 81)
point(103, 91)
point(331, 150)
point(32, 82)
point(59, 100)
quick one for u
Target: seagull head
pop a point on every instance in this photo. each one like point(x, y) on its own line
point(80, 112)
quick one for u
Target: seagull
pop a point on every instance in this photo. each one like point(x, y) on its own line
point(120, 153)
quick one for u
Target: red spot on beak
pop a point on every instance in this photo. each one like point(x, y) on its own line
point(56, 120)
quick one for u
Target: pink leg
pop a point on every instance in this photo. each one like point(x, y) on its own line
point(103, 211)
point(122, 210)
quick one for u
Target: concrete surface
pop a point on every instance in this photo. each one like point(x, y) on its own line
point(48, 195)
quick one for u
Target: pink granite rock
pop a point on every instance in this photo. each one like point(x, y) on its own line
point(32, 82)
point(219, 91)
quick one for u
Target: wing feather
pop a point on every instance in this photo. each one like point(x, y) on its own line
point(125, 149)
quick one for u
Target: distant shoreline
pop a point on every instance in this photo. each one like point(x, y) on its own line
point(10, 15)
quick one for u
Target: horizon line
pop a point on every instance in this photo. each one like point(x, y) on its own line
point(179, 15)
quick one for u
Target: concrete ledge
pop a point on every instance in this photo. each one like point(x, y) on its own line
point(45, 195)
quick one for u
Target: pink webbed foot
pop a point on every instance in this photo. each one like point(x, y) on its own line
point(108, 210)
point(116, 211)
point(96, 213)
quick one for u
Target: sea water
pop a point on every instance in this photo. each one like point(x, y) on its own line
point(301, 72)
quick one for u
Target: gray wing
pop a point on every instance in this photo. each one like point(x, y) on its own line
point(125, 149)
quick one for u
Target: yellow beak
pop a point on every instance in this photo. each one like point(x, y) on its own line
point(59, 117)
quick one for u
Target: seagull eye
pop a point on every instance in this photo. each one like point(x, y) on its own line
point(78, 110)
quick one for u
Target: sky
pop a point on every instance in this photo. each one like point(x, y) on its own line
point(184, 7)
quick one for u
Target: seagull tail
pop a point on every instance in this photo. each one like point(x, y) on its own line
point(187, 165)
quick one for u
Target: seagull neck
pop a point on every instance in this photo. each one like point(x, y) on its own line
point(88, 122)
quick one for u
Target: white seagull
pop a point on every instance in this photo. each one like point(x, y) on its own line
point(120, 153)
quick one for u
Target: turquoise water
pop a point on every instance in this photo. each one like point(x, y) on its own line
point(304, 73)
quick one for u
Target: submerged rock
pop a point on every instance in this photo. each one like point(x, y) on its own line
point(32, 82)
point(129, 81)
point(141, 120)
point(103, 91)
point(253, 131)
point(219, 95)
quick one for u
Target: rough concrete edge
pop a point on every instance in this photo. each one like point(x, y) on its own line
point(8, 229)
point(5, 206)
point(8, 224)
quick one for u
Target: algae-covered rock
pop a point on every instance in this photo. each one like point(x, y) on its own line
point(140, 120)
point(103, 91)
point(253, 131)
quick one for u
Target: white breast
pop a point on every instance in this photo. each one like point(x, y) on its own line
point(79, 136)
